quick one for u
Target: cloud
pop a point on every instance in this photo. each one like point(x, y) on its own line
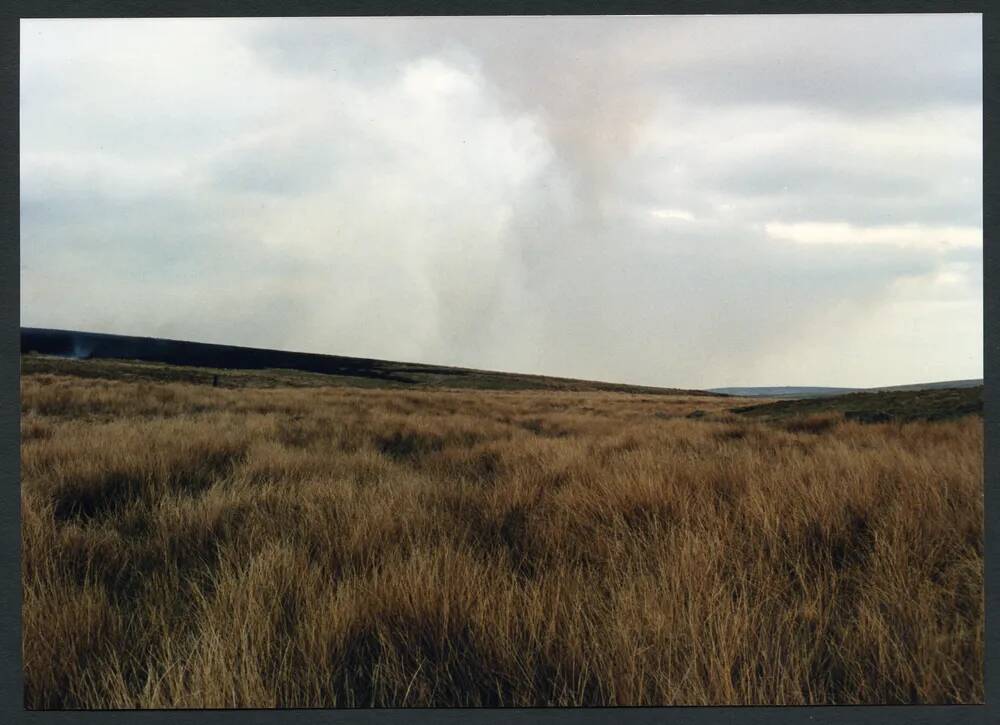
point(909, 235)
point(680, 214)
point(673, 201)
point(851, 64)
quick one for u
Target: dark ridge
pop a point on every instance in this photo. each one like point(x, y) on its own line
point(350, 370)
point(86, 345)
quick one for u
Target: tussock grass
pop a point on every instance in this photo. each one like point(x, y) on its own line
point(186, 546)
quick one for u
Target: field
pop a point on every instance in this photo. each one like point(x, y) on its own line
point(279, 543)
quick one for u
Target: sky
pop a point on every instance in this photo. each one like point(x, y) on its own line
point(681, 201)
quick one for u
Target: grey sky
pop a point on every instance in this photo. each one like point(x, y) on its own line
point(679, 201)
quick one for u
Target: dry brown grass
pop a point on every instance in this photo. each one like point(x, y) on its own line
point(194, 547)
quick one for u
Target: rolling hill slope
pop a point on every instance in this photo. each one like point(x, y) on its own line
point(119, 356)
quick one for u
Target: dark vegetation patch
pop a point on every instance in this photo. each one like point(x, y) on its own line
point(819, 423)
point(544, 428)
point(880, 407)
point(96, 493)
point(868, 416)
point(408, 445)
point(731, 434)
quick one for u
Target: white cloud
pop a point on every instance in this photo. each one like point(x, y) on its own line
point(907, 235)
point(681, 214)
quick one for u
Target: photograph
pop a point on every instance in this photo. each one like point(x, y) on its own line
point(500, 361)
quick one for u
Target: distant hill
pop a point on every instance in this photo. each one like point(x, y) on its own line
point(789, 391)
point(781, 391)
point(934, 386)
point(879, 406)
point(120, 356)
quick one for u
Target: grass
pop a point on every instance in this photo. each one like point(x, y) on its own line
point(190, 546)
